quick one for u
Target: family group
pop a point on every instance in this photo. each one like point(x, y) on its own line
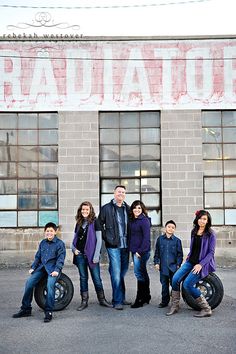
point(125, 230)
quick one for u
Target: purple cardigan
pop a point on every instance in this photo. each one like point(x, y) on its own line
point(206, 256)
point(90, 245)
point(139, 234)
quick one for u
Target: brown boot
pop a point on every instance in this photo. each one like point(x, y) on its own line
point(175, 303)
point(84, 301)
point(205, 307)
point(102, 300)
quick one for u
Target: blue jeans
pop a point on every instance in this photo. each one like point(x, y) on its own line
point(29, 288)
point(118, 266)
point(166, 281)
point(185, 271)
point(83, 266)
point(140, 267)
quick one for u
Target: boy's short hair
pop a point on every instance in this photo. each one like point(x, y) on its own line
point(50, 224)
point(170, 222)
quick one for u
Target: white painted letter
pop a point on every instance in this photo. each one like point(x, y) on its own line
point(10, 74)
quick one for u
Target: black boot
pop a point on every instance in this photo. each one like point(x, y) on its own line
point(84, 301)
point(139, 297)
point(22, 313)
point(102, 300)
point(146, 292)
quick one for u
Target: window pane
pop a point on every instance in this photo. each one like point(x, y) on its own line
point(8, 121)
point(150, 185)
point(229, 151)
point(150, 136)
point(130, 169)
point(151, 200)
point(8, 202)
point(48, 120)
point(230, 167)
point(213, 200)
point(150, 152)
point(109, 152)
point(229, 135)
point(150, 119)
point(7, 169)
point(131, 197)
point(211, 135)
point(109, 136)
point(47, 186)
point(109, 169)
point(132, 185)
point(7, 137)
point(150, 168)
point(230, 216)
point(48, 169)
point(29, 186)
point(129, 120)
point(27, 169)
point(8, 219)
point(28, 153)
point(212, 118)
point(48, 202)
point(229, 118)
point(230, 200)
point(8, 186)
point(212, 151)
point(8, 153)
point(48, 137)
point(129, 152)
point(212, 168)
point(27, 202)
point(48, 216)
point(106, 198)
point(155, 216)
point(27, 218)
point(213, 184)
point(27, 137)
point(230, 184)
point(48, 153)
point(129, 136)
point(109, 120)
point(27, 121)
point(108, 185)
point(217, 216)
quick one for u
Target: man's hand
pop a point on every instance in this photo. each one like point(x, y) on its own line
point(31, 271)
point(54, 274)
point(157, 266)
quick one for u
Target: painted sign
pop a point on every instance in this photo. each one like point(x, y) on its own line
point(115, 75)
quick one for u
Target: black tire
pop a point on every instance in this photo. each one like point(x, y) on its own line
point(63, 293)
point(211, 287)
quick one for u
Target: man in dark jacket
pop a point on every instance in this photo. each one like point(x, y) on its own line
point(113, 218)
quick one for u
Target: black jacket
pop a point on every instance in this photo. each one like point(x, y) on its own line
point(109, 225)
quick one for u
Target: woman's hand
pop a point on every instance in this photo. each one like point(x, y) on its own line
point(196, 269)
point(137, 255)
point(76, 252)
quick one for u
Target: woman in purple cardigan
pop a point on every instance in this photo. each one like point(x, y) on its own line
point(139, 245)
point(199, 263)
point(86, 247)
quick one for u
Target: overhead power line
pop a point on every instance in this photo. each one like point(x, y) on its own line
point(183, 2)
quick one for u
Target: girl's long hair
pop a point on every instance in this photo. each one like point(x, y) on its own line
point(199, 214)
point(133, 206)
point(79, 217)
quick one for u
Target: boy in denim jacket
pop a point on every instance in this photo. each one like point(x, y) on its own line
point(168, 258)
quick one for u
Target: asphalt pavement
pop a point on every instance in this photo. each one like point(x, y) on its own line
point(108, 331)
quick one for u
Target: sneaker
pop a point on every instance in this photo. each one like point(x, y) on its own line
point(161, 305)
point(118, 307)
point(22, 313)
point(48, 316)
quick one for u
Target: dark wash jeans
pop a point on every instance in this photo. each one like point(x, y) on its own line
point(166, 281)
point(83, 267)
point(32, 281)
point(140, 267)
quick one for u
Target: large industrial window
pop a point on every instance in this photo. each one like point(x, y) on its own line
point(28, 169)
point(219, 154)
point(130, 155)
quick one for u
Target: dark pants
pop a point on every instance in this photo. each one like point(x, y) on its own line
point(166, 281)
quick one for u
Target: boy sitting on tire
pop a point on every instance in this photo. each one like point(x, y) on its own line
point(48, 262)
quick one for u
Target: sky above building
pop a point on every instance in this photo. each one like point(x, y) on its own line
point(118, 17)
